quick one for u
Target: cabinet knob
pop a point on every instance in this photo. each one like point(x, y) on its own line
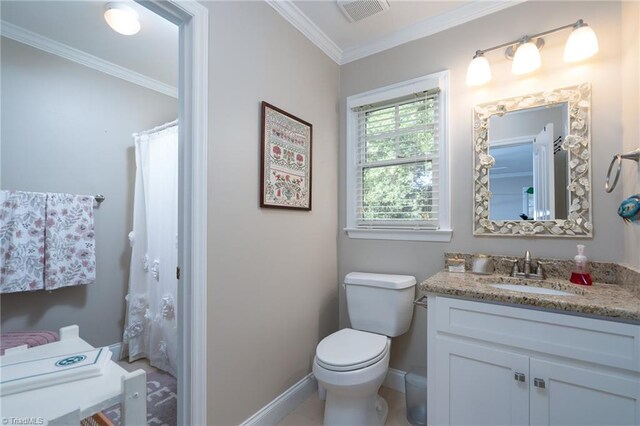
point(539, 383)
point(519, 377)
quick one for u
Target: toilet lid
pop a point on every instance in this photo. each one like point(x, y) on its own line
point(349, 349)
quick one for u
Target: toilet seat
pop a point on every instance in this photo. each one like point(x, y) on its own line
point(349, 350)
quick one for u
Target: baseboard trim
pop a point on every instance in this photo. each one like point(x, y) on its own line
point(115, 351)
point(289, 400)
point(395, 380)
point(276, 410)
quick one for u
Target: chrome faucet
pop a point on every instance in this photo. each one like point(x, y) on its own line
point(527, 264)
point(515, 271)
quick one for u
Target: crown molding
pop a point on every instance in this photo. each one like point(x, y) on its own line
point(62, 50)
point(290, 12)
point(427, 27)
point(476, 9)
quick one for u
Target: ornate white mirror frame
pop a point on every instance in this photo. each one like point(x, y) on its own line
point(577, 144)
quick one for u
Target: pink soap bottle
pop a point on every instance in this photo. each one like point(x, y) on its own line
point(580, 274)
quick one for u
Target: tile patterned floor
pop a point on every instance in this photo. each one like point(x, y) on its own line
point(310, 412)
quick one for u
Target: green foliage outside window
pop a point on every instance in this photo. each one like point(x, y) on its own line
point(397, 172)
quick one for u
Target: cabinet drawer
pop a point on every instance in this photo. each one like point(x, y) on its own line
point(601, 342)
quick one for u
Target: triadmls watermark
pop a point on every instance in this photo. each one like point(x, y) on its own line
point(23, 420)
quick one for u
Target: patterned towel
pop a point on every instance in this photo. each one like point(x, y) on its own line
point(70, 257)
point(29, 338)
point(22, 217)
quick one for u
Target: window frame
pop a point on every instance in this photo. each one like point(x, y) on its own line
point(407, 232)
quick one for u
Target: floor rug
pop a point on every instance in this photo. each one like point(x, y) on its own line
point(162, 401)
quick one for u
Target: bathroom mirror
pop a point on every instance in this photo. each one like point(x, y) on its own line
point(532, 165)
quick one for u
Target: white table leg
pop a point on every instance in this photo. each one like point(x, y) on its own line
point(134, 399)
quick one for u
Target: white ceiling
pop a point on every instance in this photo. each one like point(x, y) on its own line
point(325, 25)
point(80, 29)
point(328, 17)
point(153, 52)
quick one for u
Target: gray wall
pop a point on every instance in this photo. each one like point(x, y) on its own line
point(453, 50)
point(67, 128)
point(631, 117)
point(272, 273)
point(506, 196)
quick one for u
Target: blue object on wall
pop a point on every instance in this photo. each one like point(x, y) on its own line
point(629, 210)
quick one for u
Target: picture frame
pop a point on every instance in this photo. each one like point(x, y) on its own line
point(285, 174)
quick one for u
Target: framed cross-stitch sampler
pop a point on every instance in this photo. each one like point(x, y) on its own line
point(286, 160)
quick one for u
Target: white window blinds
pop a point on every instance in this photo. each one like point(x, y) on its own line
point(397, 162)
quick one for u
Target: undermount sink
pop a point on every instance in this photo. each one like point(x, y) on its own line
point(531, 289)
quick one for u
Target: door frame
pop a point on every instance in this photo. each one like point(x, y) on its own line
point(192, 19)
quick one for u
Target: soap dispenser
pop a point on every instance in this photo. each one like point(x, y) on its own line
point(580, 274)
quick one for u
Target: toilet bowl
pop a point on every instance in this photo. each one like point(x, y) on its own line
point(351, 366)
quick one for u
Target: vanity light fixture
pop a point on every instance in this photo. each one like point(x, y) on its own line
point(525, 52)
point(479, 71)
point(122, 18)
point(527, 58)
point(582, 43)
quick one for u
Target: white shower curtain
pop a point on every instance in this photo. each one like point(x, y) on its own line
point(150, 325)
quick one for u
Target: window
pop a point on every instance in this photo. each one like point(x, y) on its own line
point(397, 181)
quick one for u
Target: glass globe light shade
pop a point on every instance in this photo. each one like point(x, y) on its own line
point(526, 59)
point(122, 19)
point(479, 71)
point(582, 44)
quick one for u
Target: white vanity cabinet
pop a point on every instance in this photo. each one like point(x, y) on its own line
point(579, 395)
point(491, 364)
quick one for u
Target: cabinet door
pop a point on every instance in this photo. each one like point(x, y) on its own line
point(571, 395)
point(477, 385)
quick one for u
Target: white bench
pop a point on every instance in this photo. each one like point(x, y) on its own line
point(68, 403)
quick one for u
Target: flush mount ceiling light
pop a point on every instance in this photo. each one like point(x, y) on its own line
point(525, 52)
point(122, 18)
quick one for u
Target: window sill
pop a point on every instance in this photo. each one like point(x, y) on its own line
point(435, 235)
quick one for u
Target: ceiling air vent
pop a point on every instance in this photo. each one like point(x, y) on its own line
point(357, 10)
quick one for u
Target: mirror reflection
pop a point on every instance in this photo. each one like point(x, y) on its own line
point(529, 178)
point(531, 161)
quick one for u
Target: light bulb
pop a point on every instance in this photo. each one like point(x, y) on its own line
point(479, 71)
point(526, 59)
point(582, 43)
point(121, 18)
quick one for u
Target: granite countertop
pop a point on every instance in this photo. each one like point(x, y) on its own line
point(611, 301)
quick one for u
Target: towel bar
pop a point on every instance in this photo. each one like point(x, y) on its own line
point(633, 155)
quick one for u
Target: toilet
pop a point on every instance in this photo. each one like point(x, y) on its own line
point(351, 364)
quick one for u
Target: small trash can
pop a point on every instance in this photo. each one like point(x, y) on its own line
point(415, 383)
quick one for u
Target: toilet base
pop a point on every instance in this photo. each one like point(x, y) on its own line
point(383, 409)
point(352, 396)
point(369, 411)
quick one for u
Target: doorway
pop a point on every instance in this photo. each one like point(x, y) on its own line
point(192, 20)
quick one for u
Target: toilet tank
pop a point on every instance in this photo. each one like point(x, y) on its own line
point(380, 303)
